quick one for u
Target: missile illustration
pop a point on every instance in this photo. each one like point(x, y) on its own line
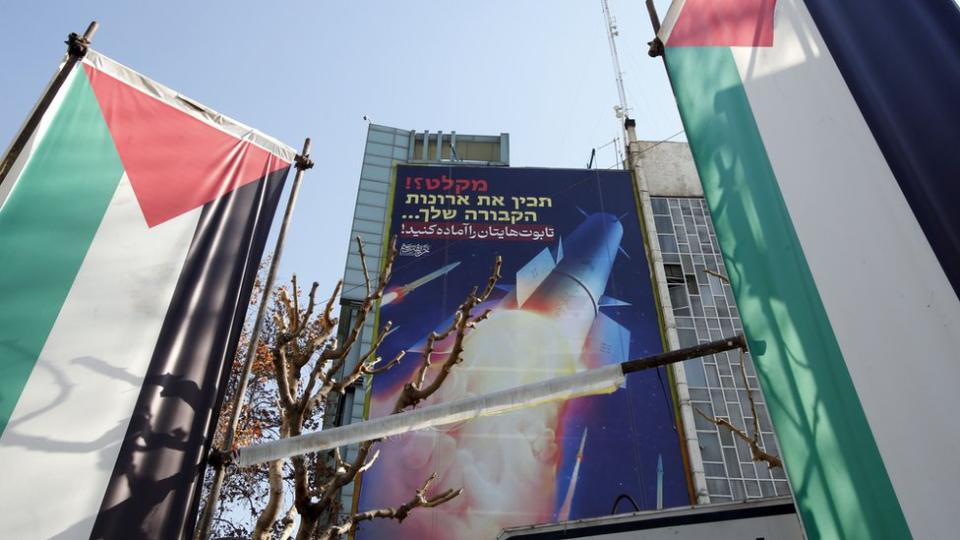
point(568, 285)
point(396, 294)
point(564, 513)
point(550, 322)
point(659, 481)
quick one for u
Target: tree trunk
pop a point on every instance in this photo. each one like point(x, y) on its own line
point(272, 510)
point(308, 526)
point(288, 520)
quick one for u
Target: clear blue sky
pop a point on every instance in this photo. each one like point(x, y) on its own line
point(538, 70)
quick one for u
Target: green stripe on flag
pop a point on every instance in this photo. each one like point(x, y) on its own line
point(46, 227)
point(841, 485)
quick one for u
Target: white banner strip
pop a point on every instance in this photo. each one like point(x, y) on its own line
point(604, 380)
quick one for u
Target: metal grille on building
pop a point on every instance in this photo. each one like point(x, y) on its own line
point(705, 310)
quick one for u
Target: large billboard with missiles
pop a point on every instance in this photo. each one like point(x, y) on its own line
point(575, 294)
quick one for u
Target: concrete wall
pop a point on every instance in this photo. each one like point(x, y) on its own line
point(669, 169)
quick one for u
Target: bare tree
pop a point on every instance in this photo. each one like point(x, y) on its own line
point(295, 372)
point(753, 441)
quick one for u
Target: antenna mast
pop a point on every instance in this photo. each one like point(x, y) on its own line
point(621, 110)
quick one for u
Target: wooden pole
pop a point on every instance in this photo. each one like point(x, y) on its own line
point(202, 530)
point(77, 47)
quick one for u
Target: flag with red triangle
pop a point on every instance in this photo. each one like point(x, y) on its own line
point(825, 134)
point(131, 229)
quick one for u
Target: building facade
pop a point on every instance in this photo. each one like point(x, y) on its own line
point(700, 298)
point(385, 148)
point(704, 310)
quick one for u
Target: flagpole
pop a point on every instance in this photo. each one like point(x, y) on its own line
point(656, 46)
point(594, 381)
point(77, 47)
point(302, 163)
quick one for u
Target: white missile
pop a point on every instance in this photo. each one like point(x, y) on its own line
point(397, 293)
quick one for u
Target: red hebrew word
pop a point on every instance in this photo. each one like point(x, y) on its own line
point(458, 185)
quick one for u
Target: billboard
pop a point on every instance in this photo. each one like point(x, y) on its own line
point(575, 294)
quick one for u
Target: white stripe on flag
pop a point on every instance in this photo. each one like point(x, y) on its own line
point(894, 313)
point(65, 432)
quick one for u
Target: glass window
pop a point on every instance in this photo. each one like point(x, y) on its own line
point(710, 444)
point(378, 160)
point(726, 327)
point(716, 396)
point(380, 137)
point(717, 486)
point(767, 489)
point(713, 378)
point(663, 223)
point(700, 323)
point(696, 307)
point(726, 436)
point(698, 218)
point(692, 285)
point(674, 273)
point(764, 418)
point(717, 469)
point(694, 371)
point(698, 394)
point(733, 464)
point(678, 297)
point(668, 243)
point(688, 338)
point(701, 422)
point(694, 244)
point(374, 172)
point(660, 207)
point(385, 150)
point(723, 366)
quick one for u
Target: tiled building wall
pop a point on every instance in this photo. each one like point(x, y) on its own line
point(705, 310)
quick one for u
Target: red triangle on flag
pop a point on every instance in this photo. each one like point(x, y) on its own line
point(175, 162)
point(724, 23)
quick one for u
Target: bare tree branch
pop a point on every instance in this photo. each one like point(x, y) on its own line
point(305, 361)
point(363, 264)
point(400, 513)
point(414, 392)
point(753, 442)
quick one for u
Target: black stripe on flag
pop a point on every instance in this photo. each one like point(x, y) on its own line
point(901, 61)
point(155, 486)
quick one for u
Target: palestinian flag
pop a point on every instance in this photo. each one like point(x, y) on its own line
point(827, 138)
point(131, 230)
